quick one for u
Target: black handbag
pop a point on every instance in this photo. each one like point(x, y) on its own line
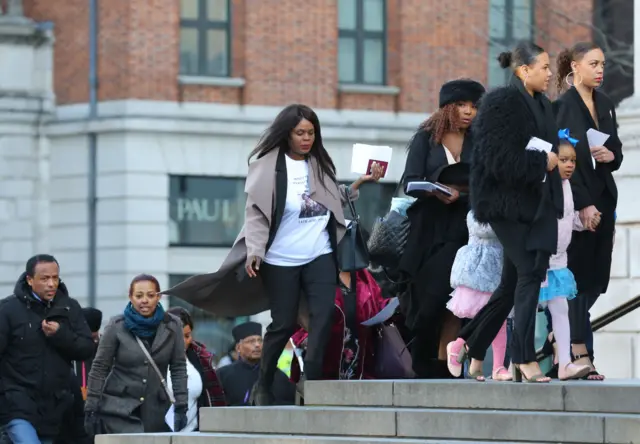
point(388, 238)
point(353, 254)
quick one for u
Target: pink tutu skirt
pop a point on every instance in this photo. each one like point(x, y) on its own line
point(466, 303)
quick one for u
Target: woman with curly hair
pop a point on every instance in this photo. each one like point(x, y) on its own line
point(438, 227)
point(581, 107)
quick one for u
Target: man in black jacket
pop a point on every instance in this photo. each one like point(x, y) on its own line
point(41, 331)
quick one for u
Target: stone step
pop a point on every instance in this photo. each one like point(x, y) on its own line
point(534, 426)
point(229, 438)
point(614, 396)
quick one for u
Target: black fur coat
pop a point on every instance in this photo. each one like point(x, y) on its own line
point(506, 180)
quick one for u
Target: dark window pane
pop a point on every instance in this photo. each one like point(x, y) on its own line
point(522, 23)
point(217, 10)
point(374, 202)
point(189, 9)
point(374, 61)
point(205, 211)
point(213, 331)
point(497, 75)
point(217, 59)
point(498, 19)
point(347, 59)
point(347, 14)
point(188, 51)
point(373, 15)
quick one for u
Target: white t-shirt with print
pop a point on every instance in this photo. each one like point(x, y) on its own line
point(302, 235)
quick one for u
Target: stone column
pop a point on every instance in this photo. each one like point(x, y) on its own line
point(26, 102)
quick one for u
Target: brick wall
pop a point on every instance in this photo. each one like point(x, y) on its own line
point(287, 51)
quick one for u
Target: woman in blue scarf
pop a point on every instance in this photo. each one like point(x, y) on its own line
point(135, 352)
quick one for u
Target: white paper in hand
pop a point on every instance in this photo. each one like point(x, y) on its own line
point(364, 156)
point(169, 418)
point(596, 138)
point(536, 144)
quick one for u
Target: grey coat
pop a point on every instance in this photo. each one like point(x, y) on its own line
point(229, 291)
point(121, 380)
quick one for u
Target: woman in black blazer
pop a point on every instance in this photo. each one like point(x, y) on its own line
point(580, 108)
point(517, 191)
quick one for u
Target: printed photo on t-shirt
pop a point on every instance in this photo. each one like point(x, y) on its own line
point(311, 208)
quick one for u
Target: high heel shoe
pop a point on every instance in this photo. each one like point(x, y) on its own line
point(518, 376)
point(593, 374)
point(501, 374)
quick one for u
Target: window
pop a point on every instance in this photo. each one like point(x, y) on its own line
point(205, 211)
point(362, 42)
point(212, 331)
point(204, 38)
point(509, 21)
point(374, 202)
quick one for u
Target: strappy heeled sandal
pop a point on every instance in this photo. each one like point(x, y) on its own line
point(593, 375)
point(518, 376)
point(501, 374)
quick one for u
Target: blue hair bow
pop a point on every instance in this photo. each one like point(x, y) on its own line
point(563, 134)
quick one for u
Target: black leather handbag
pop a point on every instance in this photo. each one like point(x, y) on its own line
point(388, 238)
point(353, 254)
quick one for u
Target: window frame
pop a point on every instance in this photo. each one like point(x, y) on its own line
point(360, 35)
point(508, 39)
point(203, 24)
point(183, 179)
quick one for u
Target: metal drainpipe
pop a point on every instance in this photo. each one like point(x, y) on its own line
point(93, 150)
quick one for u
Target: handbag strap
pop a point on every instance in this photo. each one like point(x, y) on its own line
point(157, 370)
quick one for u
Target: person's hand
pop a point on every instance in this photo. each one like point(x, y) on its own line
point(180, 419)
point(595, 221)
point(50, 328)
point(91, 424)
point(552, 161)
point(455, 194)
point(253, 266)
point(376, 173)
point(602, 154)
point(587, 216)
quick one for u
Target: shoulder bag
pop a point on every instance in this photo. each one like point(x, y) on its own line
point(163, 381)
point(353, 254)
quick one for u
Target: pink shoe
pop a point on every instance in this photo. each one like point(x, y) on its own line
point(456, 355)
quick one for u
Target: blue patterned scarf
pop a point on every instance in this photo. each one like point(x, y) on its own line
point(140, 326)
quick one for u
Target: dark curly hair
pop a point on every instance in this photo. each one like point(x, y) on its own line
point(444, 120)
point(569, 55)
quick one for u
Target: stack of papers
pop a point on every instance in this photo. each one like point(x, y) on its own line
point(429, 187)
point(596, 138)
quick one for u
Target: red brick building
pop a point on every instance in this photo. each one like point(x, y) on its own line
point(389, 55)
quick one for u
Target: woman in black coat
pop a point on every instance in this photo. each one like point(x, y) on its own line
point(517, 191)
point(580, 108)
point(438, 222)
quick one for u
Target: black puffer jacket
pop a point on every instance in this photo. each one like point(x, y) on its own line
point(34, 369)
point(506, 180)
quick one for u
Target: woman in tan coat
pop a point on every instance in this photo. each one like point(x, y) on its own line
point(293, 223)
point(126, 390)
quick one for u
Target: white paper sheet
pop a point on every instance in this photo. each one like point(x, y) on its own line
point(596, 138)
point(169, 418)
point(428, 187)
point(536, 144)
point(384, 314)
point(363, 155)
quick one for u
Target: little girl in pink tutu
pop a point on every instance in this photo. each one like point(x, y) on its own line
point(475, 275)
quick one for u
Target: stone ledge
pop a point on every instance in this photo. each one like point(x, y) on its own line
point(23, 30)
point(383, 90)
point(229, 82)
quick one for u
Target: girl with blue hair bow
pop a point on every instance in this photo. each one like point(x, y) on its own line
point(560, 284)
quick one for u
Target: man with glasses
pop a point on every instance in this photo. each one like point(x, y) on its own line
point(238, 379)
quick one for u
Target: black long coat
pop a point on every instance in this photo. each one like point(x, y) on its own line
point(437, 231)
point(590, 253)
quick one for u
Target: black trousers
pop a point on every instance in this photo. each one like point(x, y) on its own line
point(284, 286)
point(519, 286)
point(590, 261)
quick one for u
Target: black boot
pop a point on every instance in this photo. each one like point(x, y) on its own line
point(260, 395)
point(300, 390)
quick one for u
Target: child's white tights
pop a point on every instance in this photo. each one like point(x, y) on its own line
point(559, 309)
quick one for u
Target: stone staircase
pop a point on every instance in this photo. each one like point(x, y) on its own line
point(413, 412)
